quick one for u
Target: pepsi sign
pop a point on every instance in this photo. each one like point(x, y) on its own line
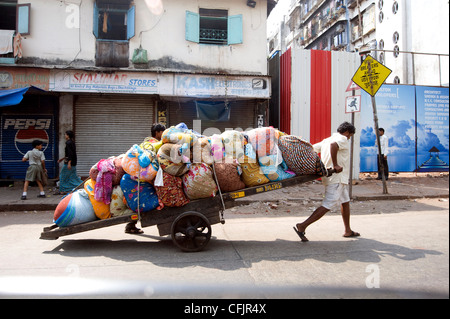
point(18, 133)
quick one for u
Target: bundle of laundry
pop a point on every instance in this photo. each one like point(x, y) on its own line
point(140, 163)
point(264, 140)
point(135, 191)
point(179, 134)
point(251, 171)
point(151, 144)
point(233, 142)
point(217, 148)
point(171, 192)
point(199, 182)
point(274, 168)
point(74, 209)
point(101, 209)
point(118, 170)
point(118, 205)
point(171, 159)
point(201, 151)
point(228, 176)
point(300, 156)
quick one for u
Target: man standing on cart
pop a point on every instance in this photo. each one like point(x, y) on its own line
point(335, 153)
point(157, 131)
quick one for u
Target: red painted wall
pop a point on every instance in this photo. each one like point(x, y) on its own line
point(320, 125)
point(285, 92)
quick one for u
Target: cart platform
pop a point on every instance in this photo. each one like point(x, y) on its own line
point(189, 225)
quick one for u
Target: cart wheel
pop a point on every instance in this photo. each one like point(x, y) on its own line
point(191, 231)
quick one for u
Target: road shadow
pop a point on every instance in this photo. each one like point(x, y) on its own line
point(237, 254)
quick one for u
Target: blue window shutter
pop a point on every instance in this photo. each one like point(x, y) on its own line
point(235, 29)
point(131, 22)
point(192, 26)
point(95, 24)
point(23, 18)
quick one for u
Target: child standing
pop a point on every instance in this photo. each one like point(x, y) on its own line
point(36, 170)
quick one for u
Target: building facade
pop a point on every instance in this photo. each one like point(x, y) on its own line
point(409, 37)
point(109, 69)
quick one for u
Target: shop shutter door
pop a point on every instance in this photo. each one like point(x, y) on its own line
point(242, 116)
point(109, 125)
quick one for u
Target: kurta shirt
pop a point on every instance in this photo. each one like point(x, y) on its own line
point(343, 158)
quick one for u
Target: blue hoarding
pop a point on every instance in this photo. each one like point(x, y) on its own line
point(416, 123)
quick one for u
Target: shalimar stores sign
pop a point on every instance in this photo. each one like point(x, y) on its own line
point(163, 84)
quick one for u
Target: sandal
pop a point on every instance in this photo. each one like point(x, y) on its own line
point(353, 234)
point(301, 235)
point(133, 230)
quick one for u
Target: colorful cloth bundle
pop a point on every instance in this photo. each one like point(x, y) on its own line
point(146, 193)
point(217, 148)
point(118, 170)
point(74, 209)
point(117, 206)
point(171, 161)
point(171, 194)
point(264, 140)
point(101, 209)
point(201, 151)
point(179, 135)
point(251, 172)
point(228, 176)
point(233, 142)
point(300, 156)
point(140, 163)
point(272, 171)
point(103, 185)
point(151, 144)
point(199, 182)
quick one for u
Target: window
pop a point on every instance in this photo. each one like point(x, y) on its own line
point(113, 21)
point(15, 16)
point(211, 26)
point(395, 37)
point(395, 7)
point(396, 51)
point(381, 16)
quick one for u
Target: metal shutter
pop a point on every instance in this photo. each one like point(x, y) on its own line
point(108, 125)
point(242, 115)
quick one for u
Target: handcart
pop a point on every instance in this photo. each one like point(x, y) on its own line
point(188, 225)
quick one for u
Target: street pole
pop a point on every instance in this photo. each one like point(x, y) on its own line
point(351, 155)
point(375, 119)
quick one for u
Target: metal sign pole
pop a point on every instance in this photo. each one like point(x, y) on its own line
point(351, 154)
point(375, 119)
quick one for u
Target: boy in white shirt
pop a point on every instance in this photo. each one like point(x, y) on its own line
point(335, 152)
point(36, 170)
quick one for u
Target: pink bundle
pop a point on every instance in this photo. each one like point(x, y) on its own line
point(104, 182)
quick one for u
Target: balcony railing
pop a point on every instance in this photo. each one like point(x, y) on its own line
point(213, 36)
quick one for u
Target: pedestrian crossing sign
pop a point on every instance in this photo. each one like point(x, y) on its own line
point(370, 75)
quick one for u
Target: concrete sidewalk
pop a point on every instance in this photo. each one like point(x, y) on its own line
point(400, 186)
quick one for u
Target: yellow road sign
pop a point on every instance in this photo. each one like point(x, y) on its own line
point(370, 75)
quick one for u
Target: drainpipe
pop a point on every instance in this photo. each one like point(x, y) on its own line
point(347, 18)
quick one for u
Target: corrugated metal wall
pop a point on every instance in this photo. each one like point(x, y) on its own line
point(320, 95)
point(285, 92)
point(301, 93)
point(317, 87)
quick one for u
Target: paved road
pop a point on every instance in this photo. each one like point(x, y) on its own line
point(400, 255)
